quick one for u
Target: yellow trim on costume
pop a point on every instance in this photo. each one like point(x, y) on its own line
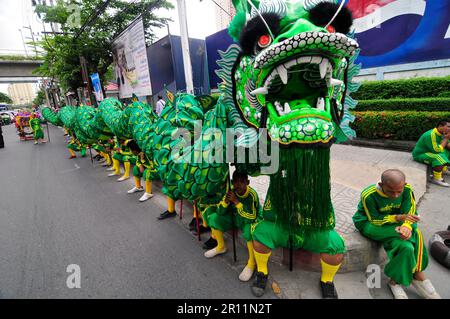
point(419, 252)
point(436, 147)
point(245, 194)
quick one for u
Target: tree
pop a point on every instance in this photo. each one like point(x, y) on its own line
point(40, 98)
point(4, 98)
point(63, 51)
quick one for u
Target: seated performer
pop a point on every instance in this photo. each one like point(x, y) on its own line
point(143, 168)
point(387, 214)
point(239, 209)
point(433, 148)
point(122, 154)
point(35, 124)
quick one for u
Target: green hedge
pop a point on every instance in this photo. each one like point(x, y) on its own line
point(444, 94)
point(411, 88)
point(408, 126)
point(425, 104)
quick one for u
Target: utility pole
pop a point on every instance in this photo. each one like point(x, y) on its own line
point(185, 46)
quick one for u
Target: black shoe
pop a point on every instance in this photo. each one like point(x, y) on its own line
point(259, 286)
point(193, 224)
point(328, 290)
point(202, 230)
point(167, 214)
point(210, 243)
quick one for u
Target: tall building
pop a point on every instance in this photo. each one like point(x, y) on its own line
point(222, 18)
point(21, 93)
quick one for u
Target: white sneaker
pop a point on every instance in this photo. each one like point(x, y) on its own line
point(113, 174)
point(246, 274)
point(397, 291)
point(425, 289)
point(135, 190)
point(110, 169)
point(440, 182)
point(123, 178)
point(145, 197)
point(214, 252)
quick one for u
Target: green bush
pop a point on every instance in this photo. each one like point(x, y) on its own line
point(411, 88)
point(444, 94)
point(425, 104)
point(408, 126)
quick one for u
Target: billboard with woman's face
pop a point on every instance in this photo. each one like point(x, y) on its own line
point(130, 62)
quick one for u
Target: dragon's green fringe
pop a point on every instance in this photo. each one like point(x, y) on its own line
point(300, 191)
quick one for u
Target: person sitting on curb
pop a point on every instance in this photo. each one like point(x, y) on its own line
point(143, 168)
point(433, 148)
point(387, 214)
point(239, 209)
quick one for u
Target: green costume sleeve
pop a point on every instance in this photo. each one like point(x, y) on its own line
point(409, 205)
point(370, 208)
point(249, 206)
point(436, 140)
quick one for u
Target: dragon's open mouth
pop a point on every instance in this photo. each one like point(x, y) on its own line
point(296, 81)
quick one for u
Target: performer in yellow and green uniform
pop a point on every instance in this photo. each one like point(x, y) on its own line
point(143, 168)
point(35, 124)
point(239, 209)
point(74, 145)
point(433, 148)
point(122, 154)
point(387, 214)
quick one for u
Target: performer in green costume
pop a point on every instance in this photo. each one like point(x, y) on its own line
point(143, 168)
point(433, 148)
point(387, 214)
point(35, 124)
point(239, 209)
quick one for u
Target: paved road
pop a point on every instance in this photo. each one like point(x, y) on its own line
point(55, 212)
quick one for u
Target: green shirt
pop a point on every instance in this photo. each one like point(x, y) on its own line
point(429, 142)
point(35, 124)
point(248, 209)
point(143, 160)
point(377, 208)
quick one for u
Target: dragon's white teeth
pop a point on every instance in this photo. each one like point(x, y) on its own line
point(323, 68)
point(279, 108)
point(262, 90)
point(282, 72)
point(290, 64)
point(334, 82)
point(320, 104)
point(287, 108)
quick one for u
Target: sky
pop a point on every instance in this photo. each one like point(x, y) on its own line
point(17, 14)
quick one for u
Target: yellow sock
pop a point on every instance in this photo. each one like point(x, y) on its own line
point(437, 175)
point(71, 152)
point(108, 159)
point(218, 235)
point(328, 271)
point(251, 256)
point(148, 187)
point(127, 166)
point(170, 205)
point(195, 212)
point(137, 182)
point(116, 166)
point(261, 261)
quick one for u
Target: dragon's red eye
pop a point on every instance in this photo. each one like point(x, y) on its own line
point(331, 29)
point(264, 41)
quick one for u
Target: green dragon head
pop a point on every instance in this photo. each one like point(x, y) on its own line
point(291, 73)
